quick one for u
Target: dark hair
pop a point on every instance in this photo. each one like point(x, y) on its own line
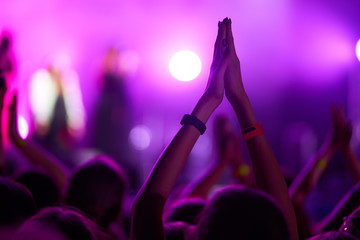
point(16, 203)
point(333, 236)
point(98, 188)
point(54, 221)
point(175, 230)
point(240, 213)
point(187, 211)
point(43, 188)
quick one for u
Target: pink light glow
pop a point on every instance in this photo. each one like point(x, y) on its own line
point(23, 127)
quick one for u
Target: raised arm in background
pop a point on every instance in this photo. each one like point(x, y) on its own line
point(344, 131)
point(227, 154)
point(148, 206)
point(2, 97)
point(338, 138)
point(267, 173)
point(34, 153)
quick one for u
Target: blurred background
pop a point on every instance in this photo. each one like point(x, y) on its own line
point(88, 58)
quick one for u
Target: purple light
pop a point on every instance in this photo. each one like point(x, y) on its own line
point(140, 137)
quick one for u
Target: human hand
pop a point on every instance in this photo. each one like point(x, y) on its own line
point(13, 131)
point(234, 87)
point(215, 85)
point(341, 131)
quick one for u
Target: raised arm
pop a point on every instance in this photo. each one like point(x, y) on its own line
point(223, 145)
point(34, 153)
point(228, 154)
point(267, 173)
point(338, 138)
point(2, 96)
point(149, 203)
point(344, 130)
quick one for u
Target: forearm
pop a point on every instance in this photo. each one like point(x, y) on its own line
point(164, 174)
point(170, 163)
point(353, 163)
point(267, 172)
point(41, 158)
point(202, 187)
point(2, 159)
point(311, 173)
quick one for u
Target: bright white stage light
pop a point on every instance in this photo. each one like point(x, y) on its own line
point(185, 65)
point(358, 49)
point(43, 93)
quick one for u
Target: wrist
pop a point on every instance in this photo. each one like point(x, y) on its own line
point(205, 107)
point(244, 112)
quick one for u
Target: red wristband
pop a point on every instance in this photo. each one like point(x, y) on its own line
point(253, 131)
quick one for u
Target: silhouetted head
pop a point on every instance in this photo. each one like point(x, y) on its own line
point(58, 223)
point(352, 223)
point(43, 188)
point(240, 213)
point(333, 236)
point(98, 189)
point(16, 203)
point(187, 211)
point(175, 230)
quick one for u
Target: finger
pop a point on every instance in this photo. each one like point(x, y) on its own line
point(217, 40)
point(223, 39)
point(216, 55)
point(229, 36)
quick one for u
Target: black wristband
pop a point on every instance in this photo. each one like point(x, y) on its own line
point(192, 120)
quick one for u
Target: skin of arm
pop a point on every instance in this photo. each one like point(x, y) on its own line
point(3, 90)
point(148, 206)
point(342, 132)
point(228, 154)
point(339, 138)
point(35, 154)
point(267, 173)
point(202, 187)
point(352, 162)
point(310, 175)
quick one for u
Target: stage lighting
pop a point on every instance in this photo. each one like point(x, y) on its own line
point(140, 137)
point(23, 127)
point(185, 65)
point(43, 93)
point(358, 49)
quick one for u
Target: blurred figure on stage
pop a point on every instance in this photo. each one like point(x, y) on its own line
point(112, 117)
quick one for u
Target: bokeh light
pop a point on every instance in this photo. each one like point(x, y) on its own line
point(43, 94)
point(23, 127)
point(185, 65)
point(357, 49)
point(140, 137)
